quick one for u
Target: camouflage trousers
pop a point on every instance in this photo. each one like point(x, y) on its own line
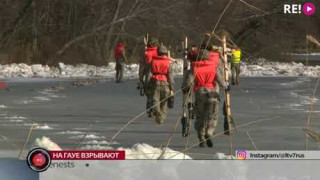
point(119, 71)
point(207, 112)
point(145, 78)
point(148, 92)
point(159, 94)
point(235, 69)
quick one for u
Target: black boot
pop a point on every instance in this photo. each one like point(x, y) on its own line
point(209, 141)
point(148, 106)
point(202, 144)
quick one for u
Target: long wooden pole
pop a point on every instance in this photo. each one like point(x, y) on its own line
point(227, 93)
point(184, 120)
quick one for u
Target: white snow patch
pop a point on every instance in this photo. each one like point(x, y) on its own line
point(266, 68)
point(291, 84)
point(223, 156)
point(295, 105)
point(96, 145)
point(88, 136)
point(307, 100)
point(39, 126)
point(43, 127)
point(94, 142)
point(138, 151)
point(4, 138)
point(308, 111)
point(47, 143)
point(300, 101)
point(25, 101)
point(16, 120)
point(40, 98)
point(70, 132)
point(50, 91)
point(3, 106)
point(15, 117)
point(145, 151)
point(304, 99)
point(45, 95)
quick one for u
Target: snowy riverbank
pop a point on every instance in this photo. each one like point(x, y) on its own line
point(262, 68)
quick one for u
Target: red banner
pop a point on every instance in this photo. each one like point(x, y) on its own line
point(87, 155)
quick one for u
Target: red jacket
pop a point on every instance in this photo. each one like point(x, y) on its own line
point(205, 74)
point(118, 50)
point(214, 57)
point(151, 52)
point(160, 68)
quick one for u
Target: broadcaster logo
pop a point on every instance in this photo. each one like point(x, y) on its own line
point(307, 9)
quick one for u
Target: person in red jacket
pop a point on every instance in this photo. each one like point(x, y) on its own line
point(145, 71)
point(205, 78)
point(214, 55)
point(161, 84)
point(120, 56)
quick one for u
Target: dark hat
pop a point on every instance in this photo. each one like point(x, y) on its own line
point(203, 46)
point(162, 50)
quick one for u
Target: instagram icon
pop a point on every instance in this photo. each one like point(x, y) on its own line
point(241, 154)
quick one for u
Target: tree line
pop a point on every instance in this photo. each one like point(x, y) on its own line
point(86, 31)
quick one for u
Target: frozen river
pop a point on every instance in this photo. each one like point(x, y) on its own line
point(65, 113)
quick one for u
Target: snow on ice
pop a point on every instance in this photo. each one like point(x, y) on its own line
point(15, 119)
point(260, 68)
point(138, 151)
point(3, 106)
point(43, 127)
point(47, 143)
point(87, 136)
point(70, 132)
point(45, 95)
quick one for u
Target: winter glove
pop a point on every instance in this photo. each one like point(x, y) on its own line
point(227, 87)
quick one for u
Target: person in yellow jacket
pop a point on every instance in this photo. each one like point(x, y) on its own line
point(235, 65)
